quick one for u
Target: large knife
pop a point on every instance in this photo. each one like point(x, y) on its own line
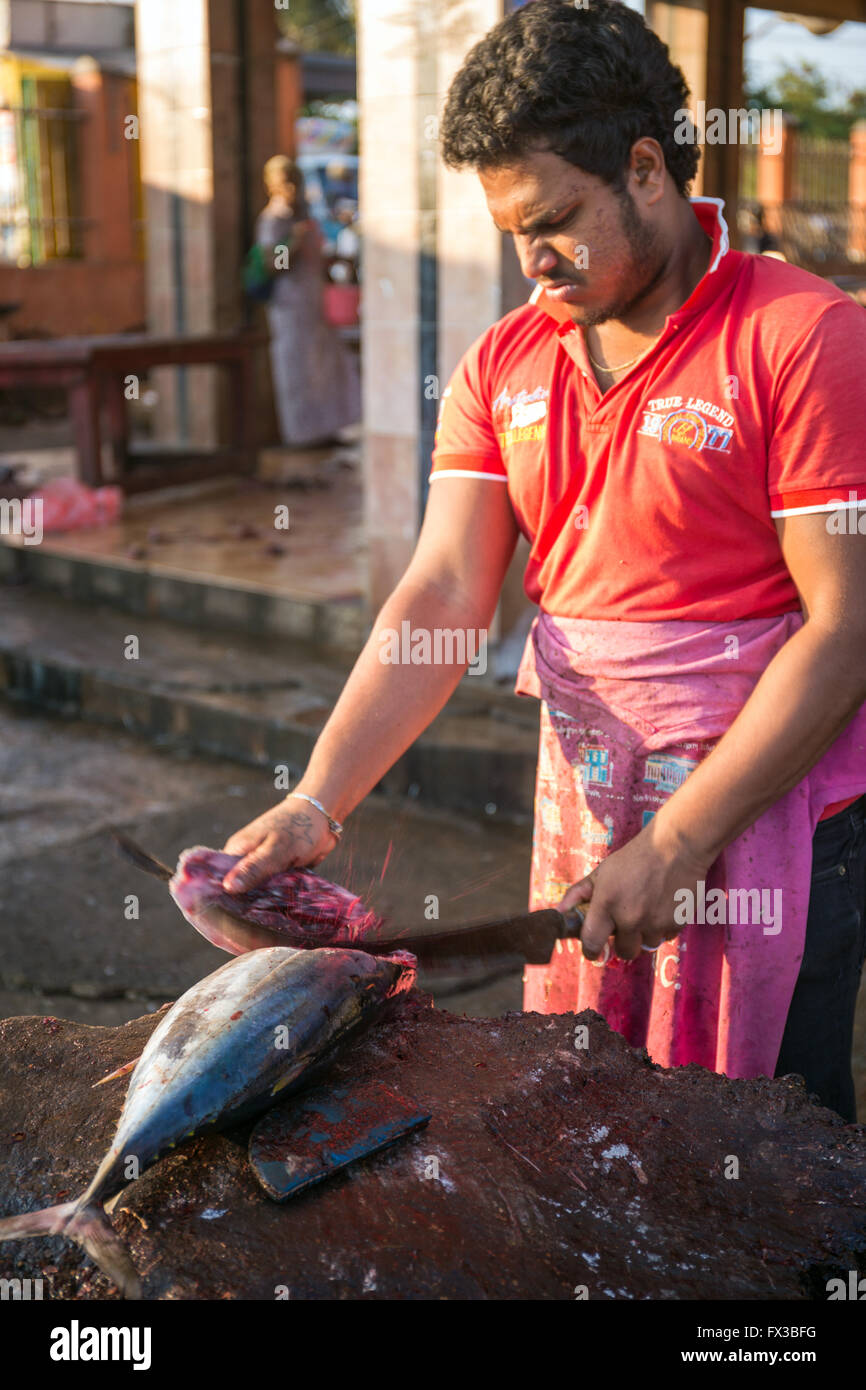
point(532, 935)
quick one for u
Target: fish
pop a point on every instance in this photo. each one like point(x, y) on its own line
point(258, 1028)
point(294, 908)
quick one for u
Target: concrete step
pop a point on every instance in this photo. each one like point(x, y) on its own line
point(142, 589)
point(238, 697)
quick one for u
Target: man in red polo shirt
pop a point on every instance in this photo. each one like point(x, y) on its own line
point(678, 429)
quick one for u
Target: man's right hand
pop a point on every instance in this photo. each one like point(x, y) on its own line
point(292, 835)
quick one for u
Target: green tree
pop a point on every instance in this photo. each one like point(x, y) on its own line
point(319, 26)
point(856, 108)
point(802, 92)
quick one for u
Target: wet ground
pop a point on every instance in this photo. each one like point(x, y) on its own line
point(228, 531)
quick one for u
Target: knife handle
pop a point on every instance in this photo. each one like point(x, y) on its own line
point(574, 919)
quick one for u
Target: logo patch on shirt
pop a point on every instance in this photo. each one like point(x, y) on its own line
point(523, 416)
point(527, 412)
point(693, 422)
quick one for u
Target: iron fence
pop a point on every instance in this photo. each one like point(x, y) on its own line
point(40, 195)
point(816, 227)
point(820, 173)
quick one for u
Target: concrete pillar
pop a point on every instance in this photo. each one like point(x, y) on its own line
point(389, 211)
point(433, 262)
point(857, 194)
point(725, 78)
point(705, 39)
point(684, 26)
point(776, 174)
point(106, 187)
point(207, 120)
point(289, 98)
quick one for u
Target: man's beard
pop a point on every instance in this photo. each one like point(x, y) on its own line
point(647, 264)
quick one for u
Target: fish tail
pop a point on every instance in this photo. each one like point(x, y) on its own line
point(90, 1228)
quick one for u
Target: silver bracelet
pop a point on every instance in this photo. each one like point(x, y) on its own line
point(334, 826)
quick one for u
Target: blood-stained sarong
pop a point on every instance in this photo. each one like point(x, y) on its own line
point(629, 710)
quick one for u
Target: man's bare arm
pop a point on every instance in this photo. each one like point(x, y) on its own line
point(453, 582)
point(804, 699)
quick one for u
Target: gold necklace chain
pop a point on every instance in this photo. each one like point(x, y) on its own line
point(622, 366)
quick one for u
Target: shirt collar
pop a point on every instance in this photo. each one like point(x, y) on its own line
point(710, 214)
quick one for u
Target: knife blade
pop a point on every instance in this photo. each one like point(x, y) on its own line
point(532, 935)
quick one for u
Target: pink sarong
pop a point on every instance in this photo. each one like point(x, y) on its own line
point(629, 709)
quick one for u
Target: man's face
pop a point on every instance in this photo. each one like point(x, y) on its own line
point(585, 243)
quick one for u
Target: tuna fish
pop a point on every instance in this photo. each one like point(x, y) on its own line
point(295, 908)
point(258, 1028)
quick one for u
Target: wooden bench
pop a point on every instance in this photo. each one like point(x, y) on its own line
point(93, 370)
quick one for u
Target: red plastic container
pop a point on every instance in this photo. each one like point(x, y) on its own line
point(341, 305)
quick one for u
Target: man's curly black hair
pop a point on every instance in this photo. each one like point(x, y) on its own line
point(584, 83)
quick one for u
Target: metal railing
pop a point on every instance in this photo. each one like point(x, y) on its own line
point(820, 173)
point(40, 196)
point(816, 227)
point(821, 236)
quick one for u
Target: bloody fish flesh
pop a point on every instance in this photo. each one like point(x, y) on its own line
point(294, 908)
point(297, 907)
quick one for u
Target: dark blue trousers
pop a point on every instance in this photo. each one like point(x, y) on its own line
point(819, 1029)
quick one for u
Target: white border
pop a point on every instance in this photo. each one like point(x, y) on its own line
point(820, 507)
point(465, 473)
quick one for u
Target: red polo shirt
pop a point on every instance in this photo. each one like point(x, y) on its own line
point(656, 499)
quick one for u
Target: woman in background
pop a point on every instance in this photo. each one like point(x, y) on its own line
point(316, 380)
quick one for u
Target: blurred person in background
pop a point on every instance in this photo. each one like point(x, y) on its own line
point(758, 239)
point(316, 379)
point(348, 242)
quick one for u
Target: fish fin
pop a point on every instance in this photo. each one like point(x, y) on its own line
point(113, 1075)
point(90, 1228)
point(94, 1232)
point(140, 857)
